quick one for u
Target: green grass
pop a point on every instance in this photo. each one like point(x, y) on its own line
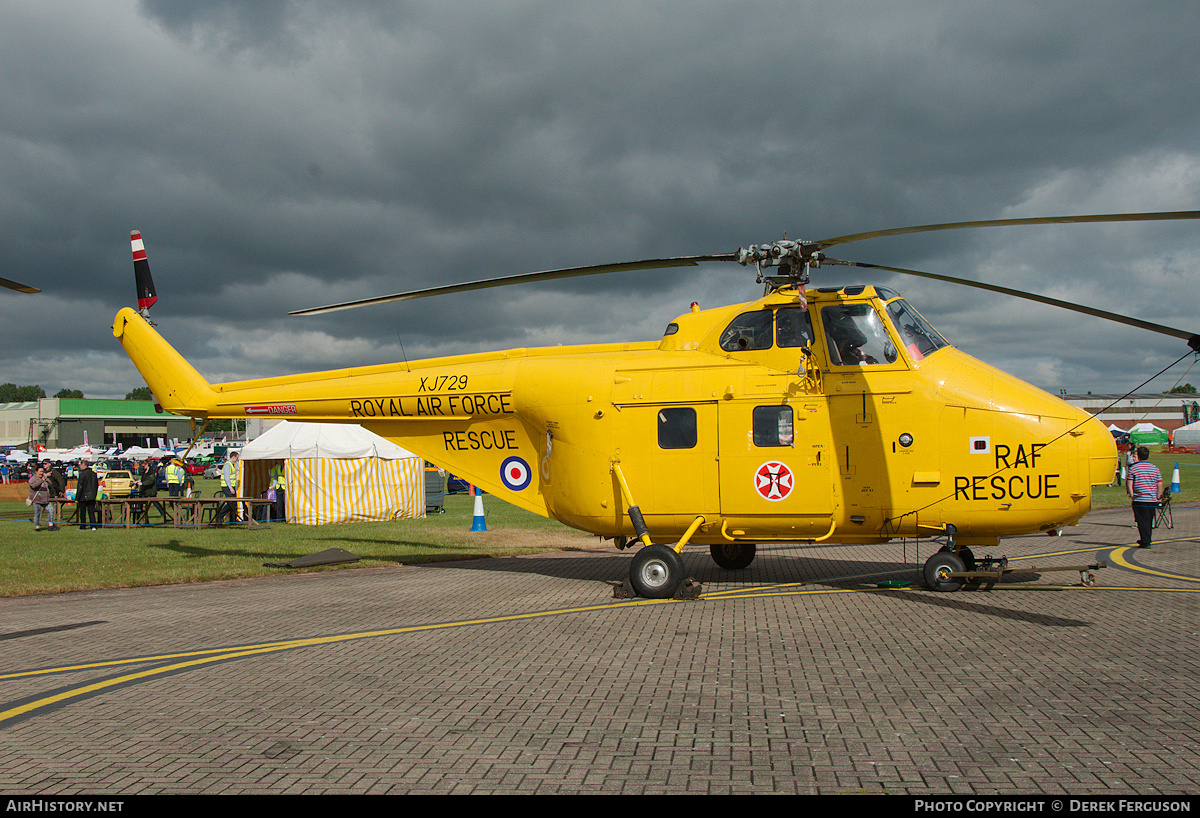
point(72, 560)
point(1189, 481)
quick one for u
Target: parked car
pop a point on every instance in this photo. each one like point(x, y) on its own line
point(117, 483)
point(456, 485)
point(213, 472)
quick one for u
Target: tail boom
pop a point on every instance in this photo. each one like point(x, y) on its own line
point(176, 385)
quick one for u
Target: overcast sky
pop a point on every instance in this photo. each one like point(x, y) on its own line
point(280, 155)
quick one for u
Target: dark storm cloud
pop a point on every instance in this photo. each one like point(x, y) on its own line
point(279, 155)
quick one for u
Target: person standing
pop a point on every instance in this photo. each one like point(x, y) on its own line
point(58, 484)
point(86, 490)
point(277, 480)
point(175, 478)
point(229, 488)
point(148, 487)
point(39, 497)
point(1144, 486)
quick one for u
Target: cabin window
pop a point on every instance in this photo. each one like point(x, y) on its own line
point(750, 330)
point(793, 327)
point(773, 426)
point(918, 337)
point(677, 428)
point(856, 336)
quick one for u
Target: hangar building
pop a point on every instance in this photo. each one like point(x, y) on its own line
point(60, 423)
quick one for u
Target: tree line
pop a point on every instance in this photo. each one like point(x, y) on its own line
point(11, 393)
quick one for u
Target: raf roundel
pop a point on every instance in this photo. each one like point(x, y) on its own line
point(515, 473)
point(773, 480)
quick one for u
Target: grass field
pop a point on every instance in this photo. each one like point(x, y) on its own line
point(74, 560)
point(1189, 479)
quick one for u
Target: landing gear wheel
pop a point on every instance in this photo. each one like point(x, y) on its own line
point(656, 572)
point(733, 555)
point(938, 569)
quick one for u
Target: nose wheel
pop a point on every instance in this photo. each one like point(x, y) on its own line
point(939, 570)
point(656, 572)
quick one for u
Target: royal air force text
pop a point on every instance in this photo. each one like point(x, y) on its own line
point(447, 406)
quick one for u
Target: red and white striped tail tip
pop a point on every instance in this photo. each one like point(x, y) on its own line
point(139, 248)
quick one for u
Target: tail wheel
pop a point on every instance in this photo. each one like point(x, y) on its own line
point(656, 572)
point(733, 555)
point(938, 569)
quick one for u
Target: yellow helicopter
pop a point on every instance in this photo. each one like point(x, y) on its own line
point(809, 415)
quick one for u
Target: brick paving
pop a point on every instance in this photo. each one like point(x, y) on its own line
point(830, 687)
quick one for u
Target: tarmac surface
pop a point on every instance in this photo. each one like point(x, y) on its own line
point(525, 675)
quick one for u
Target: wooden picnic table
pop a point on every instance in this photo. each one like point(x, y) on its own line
point(185, 512)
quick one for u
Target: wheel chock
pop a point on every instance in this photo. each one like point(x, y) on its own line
point(689, 589)
point(622, 589)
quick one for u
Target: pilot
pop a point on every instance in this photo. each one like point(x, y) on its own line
point(845, 338)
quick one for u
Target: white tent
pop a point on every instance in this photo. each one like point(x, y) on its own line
point(1188, 435)
point(335, 473)
point(142, 453)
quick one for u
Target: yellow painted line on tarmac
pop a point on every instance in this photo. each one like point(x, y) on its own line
point(227, 654)
point(782, 590)
point(200, 658)
point(1132, 588)
point(138, 660)
point(1118, 556)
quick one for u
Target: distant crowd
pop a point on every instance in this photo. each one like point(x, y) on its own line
point(49, 488)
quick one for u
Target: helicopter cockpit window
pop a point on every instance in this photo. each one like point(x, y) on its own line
point(793, 327)
point(677, 428)
point(750, 330)
point(773, 426)
point(918, 337)
point(856, 336)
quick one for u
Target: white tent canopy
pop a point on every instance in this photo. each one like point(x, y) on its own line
point(1188, 435)
point(343, 441)
point(335, 473)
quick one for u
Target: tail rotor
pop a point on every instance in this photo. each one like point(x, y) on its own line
point(141, 274)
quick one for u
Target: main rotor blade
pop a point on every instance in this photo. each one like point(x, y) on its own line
point(545, 275)
point(22, 288)
point(929, 228)
point(1192, 338)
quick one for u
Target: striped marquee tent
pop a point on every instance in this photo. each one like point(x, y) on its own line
point(335, 473)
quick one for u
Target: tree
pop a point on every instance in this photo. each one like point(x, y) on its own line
point(11, 393)
point(141, 393)
point(68, 393)
point(1187, 388)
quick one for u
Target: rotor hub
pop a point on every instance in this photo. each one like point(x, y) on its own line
point(792, 258)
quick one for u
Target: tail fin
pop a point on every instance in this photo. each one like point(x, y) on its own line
point(176, 385)
point(141, 274)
